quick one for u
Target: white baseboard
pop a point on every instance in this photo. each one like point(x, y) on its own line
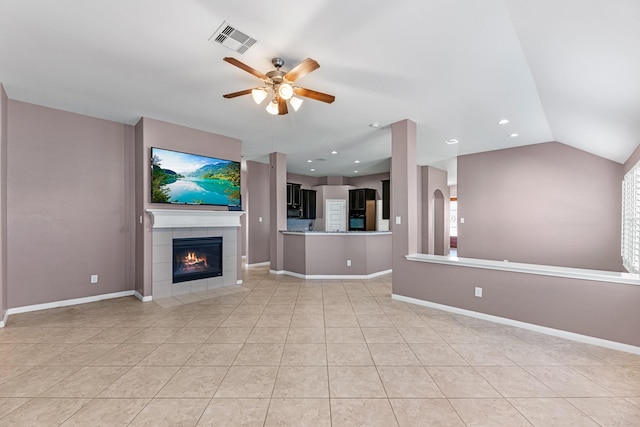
point(276, 271)
point(141, 297)
point(3, 322)
point(68, 302)
point(332, 276)
point(257, 264)
point(529, 326)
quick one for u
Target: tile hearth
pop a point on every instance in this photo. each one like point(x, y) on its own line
point(283, 351)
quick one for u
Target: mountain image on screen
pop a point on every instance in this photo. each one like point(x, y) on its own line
point(184, 178)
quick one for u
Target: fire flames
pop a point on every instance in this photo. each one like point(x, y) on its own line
point(193, 262)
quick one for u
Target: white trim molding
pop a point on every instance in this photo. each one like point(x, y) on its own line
point(65, 303)
point(332, 276)
point(258, 264)
point(141, 297)
point(182, 218)
point(3, 322)
point(523, 325)
point(542, 270)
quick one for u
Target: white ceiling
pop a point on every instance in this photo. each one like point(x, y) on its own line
point(559, 70)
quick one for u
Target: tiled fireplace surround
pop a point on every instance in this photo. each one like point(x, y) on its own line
point(178, 224)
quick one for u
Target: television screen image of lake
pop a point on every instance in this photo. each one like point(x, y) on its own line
point(193, 190)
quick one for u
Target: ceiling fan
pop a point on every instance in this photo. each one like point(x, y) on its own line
point(280, 86)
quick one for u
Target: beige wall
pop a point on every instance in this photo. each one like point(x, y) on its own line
point(541, 204)
point(70, 205)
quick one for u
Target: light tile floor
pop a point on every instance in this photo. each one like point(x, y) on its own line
point(283, 351)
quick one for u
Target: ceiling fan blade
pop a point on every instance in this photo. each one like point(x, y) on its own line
point(245, 67)
point(318, 96)
point(302, 69)
point(240, 93)
point(282, 106)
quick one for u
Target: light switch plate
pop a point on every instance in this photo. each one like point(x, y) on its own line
point(398, 220)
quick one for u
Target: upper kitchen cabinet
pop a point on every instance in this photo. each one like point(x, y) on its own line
point(386, 199)
point(358, 198)
point(293, 195)
point(308, 199)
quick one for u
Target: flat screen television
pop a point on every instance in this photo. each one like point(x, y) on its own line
point(192, 179)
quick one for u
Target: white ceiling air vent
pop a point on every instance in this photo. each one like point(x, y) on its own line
point(229, 37)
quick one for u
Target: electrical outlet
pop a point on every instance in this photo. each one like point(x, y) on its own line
point(348, 263)
point(259, 219)
point(478, 292)
point(94, 278)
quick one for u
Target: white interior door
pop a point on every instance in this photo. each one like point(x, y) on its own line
point(335, 215)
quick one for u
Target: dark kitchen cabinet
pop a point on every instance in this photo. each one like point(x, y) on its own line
point(362, 209)
point(358, 198)
point(308, 200)
point(293, 195)
point(386, 199)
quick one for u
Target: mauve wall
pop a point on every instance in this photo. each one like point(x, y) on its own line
point(155, 133)
point(306, 182)
point(4, 101)
point(432, 180)
point(326, 254)
point(70, 205)
point(257, 207)
point(370, 181)
point(598, 309)
point(542, 204)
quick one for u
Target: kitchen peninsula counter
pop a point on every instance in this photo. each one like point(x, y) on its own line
point(320, 254)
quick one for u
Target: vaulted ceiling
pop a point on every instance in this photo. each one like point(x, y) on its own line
point(565, 70)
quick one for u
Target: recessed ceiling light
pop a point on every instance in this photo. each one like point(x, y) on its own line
point(312, 170)
point(356, 161)
point(452, 141)
point(503, 121)
point(355, 171)
point(334, 152)
point(309, 161)
point(513, 135)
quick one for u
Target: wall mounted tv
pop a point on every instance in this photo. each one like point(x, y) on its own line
point(191, 179)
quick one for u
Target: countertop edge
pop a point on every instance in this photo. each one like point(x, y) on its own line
point(336, 233)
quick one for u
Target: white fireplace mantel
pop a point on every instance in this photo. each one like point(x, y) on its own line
point(181, 218)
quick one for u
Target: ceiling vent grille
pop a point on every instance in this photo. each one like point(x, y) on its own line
point(231, 38)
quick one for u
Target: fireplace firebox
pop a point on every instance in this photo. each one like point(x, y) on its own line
point(196, 258)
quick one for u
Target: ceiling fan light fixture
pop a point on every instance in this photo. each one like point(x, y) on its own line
point(272, 108)
point(259, 95)
point(296, 103)
point(285, 91)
